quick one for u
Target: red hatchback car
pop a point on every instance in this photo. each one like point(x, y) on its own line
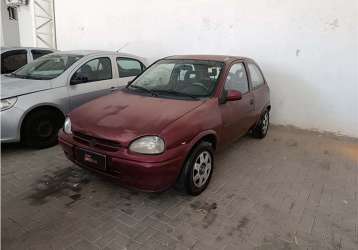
point(164, 127)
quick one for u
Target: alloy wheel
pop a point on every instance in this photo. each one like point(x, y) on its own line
point(202, 169)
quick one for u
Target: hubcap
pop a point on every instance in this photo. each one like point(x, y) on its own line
point(202, 168)
point(265, 122)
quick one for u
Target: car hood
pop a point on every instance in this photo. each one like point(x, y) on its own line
point(123, 116)
point(11, 86)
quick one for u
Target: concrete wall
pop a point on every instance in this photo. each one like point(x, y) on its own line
point(307, 49)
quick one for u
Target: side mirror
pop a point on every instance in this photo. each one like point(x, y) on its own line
point(78, 78)
point(233, 95)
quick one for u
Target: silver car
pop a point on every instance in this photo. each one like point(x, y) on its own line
point(15, 57)
point(36, 97)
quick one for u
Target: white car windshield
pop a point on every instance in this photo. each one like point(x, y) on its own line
point(179, 78)
point(46, 67)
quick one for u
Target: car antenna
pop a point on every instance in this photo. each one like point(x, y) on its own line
point(125, 45)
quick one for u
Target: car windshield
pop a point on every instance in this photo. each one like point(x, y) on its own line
point(179, 78)
point(46, 67)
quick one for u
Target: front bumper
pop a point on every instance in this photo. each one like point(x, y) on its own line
point(147, 173)
point(10, 124)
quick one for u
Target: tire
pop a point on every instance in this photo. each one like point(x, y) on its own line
point(261, 128)
point(40, 129)
point(188, 180)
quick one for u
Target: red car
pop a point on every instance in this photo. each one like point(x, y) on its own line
point(164, 127)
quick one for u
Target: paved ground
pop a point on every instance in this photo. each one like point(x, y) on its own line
point(292, 190)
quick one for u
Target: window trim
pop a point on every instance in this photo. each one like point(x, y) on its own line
point(130, 58)
point(246, 72)
point(89, 60)
point(262, 75)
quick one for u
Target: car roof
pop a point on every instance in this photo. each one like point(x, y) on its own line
point(92, 52)
point(100, 53)
point(15, 48)
point(219, 58)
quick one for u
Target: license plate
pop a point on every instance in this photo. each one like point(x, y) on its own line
point(91, 159)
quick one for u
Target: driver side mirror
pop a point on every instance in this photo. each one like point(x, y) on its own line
point(78, 78)
point(233, 95)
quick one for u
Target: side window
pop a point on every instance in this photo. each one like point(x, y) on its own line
point(38, 53)
point(12, 60)
point(256, 76)
point(128, 67)
point(237, 79)
point(95, 70)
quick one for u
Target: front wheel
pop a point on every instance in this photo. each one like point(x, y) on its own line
point(261, 128)
point(198, 169)
point(40, 129)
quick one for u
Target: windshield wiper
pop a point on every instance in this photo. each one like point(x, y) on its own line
point(142, 88)
point(173, 92)
point(17, 76)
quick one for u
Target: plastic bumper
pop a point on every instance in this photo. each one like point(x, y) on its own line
point(10, 121)
point(147, 173)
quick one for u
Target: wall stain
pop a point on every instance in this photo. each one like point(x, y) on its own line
point(334, 24)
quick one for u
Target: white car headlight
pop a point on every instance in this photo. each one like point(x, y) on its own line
point(8, 103)
point(148, 145)
point(67, 126)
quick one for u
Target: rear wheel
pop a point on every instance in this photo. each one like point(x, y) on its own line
point(260, 131)
point(197, 171)
point(40, 128)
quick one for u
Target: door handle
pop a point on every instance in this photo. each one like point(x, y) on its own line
point(251, 101)
point(113, 88)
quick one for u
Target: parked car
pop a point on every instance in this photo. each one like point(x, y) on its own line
point(163, 128)
point(36, 97)
point(14, 58)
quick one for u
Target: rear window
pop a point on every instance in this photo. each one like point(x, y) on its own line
point(13, 60)
point(38, 53)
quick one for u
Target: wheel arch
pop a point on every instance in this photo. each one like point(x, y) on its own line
point(44, 106)
point(208, 136)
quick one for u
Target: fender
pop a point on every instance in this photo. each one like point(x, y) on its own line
point(200, 136)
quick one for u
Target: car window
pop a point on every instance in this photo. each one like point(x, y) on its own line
point(46, 67)
point(237, 79)
point(256, 76)
point(128, 67)
point(95, 70)
point(12, 60)
point(180, 78)
point(38, 53)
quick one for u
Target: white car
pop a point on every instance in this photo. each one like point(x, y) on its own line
point(36, 98)
point(14, 58)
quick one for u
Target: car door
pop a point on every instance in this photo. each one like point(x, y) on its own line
point(259, 88)
point(92, 79)
point(128, 68)
point(13, 60)
point(237, 115)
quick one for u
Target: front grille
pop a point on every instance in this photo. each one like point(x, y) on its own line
point(96, 142)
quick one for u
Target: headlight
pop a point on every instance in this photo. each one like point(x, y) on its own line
point(148, 145)
point(67, 126)
point(8, 103)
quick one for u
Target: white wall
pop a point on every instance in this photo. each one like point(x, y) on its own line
point(27, 25)
point(307, 49)
point(9, 28)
